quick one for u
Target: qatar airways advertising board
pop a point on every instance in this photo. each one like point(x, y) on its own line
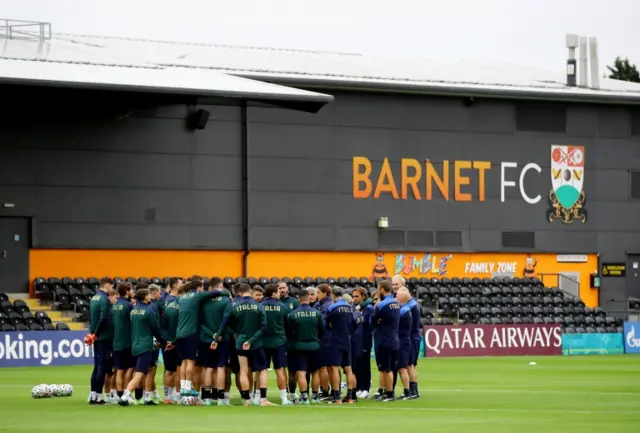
point(492, 340)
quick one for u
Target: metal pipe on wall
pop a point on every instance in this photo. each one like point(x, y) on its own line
point(244, 139)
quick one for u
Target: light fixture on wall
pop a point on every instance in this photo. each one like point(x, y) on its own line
point(383, 223)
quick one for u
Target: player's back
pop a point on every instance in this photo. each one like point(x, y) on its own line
point(120, 317)
point(143, 322)
point(99, 312)
point(276, 313)
point(305, 328)
point(171, 313)
point(405, 326)
point(385, 321)
point(188, 305)
point(415, 319)
point(339, 324)
point(248, 315)
point(211, 314)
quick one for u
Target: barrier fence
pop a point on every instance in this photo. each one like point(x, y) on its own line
point(592, 344)
point(57, 348)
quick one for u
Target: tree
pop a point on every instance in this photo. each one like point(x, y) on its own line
point(624, 70)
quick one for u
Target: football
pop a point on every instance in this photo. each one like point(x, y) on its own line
point(188, 400)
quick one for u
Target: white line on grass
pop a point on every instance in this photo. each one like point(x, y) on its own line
point(431, 389)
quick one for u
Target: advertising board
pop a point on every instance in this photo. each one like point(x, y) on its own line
point(44, 348)
point(592, 344)
point(492, 340)
point(631, 336)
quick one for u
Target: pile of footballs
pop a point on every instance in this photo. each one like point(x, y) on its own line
point(46, 391)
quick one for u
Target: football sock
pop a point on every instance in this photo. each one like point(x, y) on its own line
point(263, 393)
point(283, 394)
point(94, 395)
point(166, 389)
point(139, 393)
point(304, 395)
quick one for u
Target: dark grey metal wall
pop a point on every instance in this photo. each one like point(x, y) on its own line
point(146, 181)
point(138, 182)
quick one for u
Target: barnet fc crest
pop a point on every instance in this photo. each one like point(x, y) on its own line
point(567, 199)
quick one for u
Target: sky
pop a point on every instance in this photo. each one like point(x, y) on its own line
point(524, 32)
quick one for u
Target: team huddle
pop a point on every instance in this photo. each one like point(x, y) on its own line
point(208, 333)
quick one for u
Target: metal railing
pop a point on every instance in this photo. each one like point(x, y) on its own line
point(30, 30)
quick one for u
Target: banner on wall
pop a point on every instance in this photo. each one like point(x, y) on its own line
point(44, 348)
point(631, 337)
point(492, 340)
point(593, 344)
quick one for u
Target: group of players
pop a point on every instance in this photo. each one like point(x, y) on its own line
point(207, 333)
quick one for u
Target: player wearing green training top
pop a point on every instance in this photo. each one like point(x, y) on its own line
point(169, 325)
point(305, 327)
point(120, 316)
point(291, 303)
point(274, 339)
point(101, 336)
point(187, 337)
point(144, 328)
point(211, 311)
point(249, 322)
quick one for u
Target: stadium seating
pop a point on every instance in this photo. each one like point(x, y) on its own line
point(29, 315)
point(444, 301)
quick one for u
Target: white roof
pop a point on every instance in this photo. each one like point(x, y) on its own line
point(314, 69)
point(332, 69)
point(60, 62)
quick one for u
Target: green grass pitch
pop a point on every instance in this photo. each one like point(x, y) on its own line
point(498, 395)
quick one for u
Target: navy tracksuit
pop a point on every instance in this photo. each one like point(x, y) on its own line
point(362, 357)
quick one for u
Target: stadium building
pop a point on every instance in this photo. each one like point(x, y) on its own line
point(126, 157)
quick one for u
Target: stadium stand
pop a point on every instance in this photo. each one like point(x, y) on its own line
point(444, 301)
point(31, 315)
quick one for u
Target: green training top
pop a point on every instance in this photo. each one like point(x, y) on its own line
point(211, 314)
point(170, 312)
point(305, 328)
point(144, 326)
point(249, 322)
point(189, 304)
point(120, 317)
point(291, 303)
point(99, 320)
point(276, 333)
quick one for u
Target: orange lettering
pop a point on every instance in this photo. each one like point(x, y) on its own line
point(461, 180)
point(410, 180)
point(482, 166)
point(359, 178)
point(385, 181)
point(441, 182)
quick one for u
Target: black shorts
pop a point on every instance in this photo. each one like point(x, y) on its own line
point(205, 355)
point(257, 360)
point(102, 353)
point(386, 359)
point(323, 356)
point(188, 347)
point(335, 357)
point(155, 356)
point(404, 355)
point(234, 365)
point(304, 360)
point(416, 351)
point(123, 359)
point(277, 356)
point(171, 360)
point(144, 361)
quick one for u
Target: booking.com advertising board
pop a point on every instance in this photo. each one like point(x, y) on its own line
point(44, 348)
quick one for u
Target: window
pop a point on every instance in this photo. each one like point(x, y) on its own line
point(518, 240)
point(391, 238)
point(541, 117)
point(419, 238)
point(635, 184)
point(448, 239)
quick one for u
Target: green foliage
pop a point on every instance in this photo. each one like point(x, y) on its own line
point(624, 70)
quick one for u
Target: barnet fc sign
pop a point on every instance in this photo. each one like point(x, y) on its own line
point(422, 180)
